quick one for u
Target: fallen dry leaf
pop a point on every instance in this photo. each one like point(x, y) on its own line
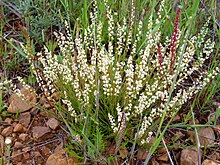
point(2, 141)
point(123, 153)
point(163, 157)
point(25, 118)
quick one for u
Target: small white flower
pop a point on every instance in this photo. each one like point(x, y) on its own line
point(8, 140)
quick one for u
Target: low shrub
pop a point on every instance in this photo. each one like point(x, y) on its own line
point(119, 78)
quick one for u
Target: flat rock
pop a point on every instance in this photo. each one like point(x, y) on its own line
point(39, 131)
point(23, 136)
point(18, 144)
point(8, 120)
point(25, 118)
point(209, 162)
point(189, 156)
point(52, 123)
point(206, 136)
point(60, 159)
point(7, 131)
point(19, 128)
point(17, 104)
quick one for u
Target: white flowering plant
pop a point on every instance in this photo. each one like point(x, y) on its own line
point(118, 78)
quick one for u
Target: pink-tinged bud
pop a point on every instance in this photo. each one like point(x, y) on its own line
point(174, 38)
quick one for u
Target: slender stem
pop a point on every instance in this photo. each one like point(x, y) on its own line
point(168, 153)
